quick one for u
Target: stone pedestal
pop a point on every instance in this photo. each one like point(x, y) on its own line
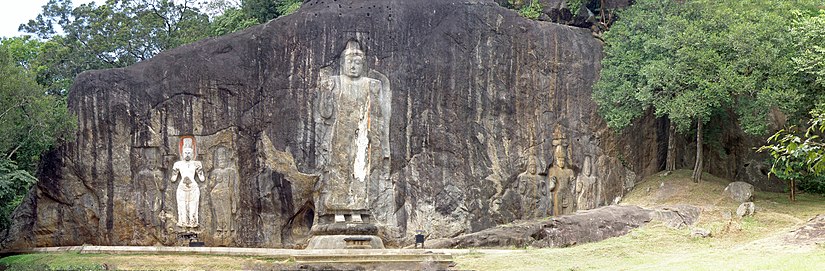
point(345, 235)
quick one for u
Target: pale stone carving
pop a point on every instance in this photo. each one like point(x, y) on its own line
point(586, 187)
point(354, 140)
point(532, 188)
point(149, 183)
point(545, 195)
point(562, 176)
point(188, 192)
point(224, 191)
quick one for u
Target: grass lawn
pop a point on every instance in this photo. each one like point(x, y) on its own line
point(752, 243)
point(77, 261)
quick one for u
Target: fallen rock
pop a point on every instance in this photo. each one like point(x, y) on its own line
point(678, 216)
point(740, 191)
point(812, 233)
point(745, 209)
point(700, 233)
point(581, 227)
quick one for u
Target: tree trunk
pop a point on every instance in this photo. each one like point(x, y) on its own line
point(670, 163)
point(697, 168)
point(793, 190)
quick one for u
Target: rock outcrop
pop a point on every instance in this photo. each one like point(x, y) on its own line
point(480, 97)
point(583, 227)
point(740, 191)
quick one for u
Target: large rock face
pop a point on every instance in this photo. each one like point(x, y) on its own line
point(481, 101)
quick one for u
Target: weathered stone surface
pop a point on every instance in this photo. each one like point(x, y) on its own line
point(740, 191)
point(745, 209)
point(700, 233)
point(477, 93)
point(812, 233)
point(678, 216)
point(758, 174)
point(581, 227)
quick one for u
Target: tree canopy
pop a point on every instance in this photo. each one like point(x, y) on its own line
point(691, 60)
point(31, 122)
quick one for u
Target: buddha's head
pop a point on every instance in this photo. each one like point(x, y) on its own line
point(353, 60)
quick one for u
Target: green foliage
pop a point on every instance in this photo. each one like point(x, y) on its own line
point(809, 34)
point(230, 21)
point(799, 156)
point(116, 34)
point(31, 122)
point(688, 60)
point(14, 183)
point(260, 10)
point(286, 7)
point(574, 5)
point(531, 11)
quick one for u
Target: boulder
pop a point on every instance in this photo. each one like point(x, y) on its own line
point(700, 233)
point(740, 191)
point(563, 231)
point(678, 216)
point(812, 233)
point(745, 209)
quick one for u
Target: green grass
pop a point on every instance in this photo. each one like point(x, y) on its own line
point(751, 243)
point(77, 261)
point(737, 244)
point(60, 261)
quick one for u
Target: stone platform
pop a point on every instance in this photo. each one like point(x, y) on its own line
point(319, 259)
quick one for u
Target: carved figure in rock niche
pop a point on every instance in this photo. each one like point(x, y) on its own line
point(354, 111)
point(586, 187)
point(149, 183)
point(528, 188)
point(545, 196)
point(225, 190)
point(189, 172)
point(563, 177)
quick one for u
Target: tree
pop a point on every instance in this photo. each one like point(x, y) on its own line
point(265, 10)
point(809, 34)
point(14, 183)
point(116, 34)
point(799, 156)
point(31, 122)
point(229, 21)
point(692, 60)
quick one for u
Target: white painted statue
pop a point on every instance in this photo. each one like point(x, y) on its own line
point(188, 193)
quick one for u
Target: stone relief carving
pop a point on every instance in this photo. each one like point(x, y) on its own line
point(190, 173)
point(563, 177)
point(545, 190)
point(353, 139)
point(529, 187)
point(149, 184)
point(586, 187)
point(225, 189)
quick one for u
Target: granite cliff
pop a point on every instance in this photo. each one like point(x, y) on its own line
point(482, 103)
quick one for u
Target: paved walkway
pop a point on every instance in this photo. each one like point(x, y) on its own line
point(240, 251)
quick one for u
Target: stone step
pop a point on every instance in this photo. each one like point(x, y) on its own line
point(414, 261)
point(373, 257)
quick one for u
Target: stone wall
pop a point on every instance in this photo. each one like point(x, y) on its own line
point(480, 98)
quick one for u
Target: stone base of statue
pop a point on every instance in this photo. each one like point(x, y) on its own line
point(345, 242)
point(345, 235)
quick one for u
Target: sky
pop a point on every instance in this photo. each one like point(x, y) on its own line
point(16, 12)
